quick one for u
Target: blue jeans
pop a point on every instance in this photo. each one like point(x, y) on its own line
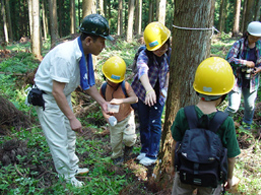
point(234, 98)
point(150, 128)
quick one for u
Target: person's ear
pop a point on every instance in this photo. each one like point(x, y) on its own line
point(87, 41)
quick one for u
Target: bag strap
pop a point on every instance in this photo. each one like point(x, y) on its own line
point(104, 85)
point(217, 121)
point(213, 125)
point(124, 88)
point(192, 117)
point(103, 89)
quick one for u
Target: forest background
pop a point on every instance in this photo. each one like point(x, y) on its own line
point(29, 29)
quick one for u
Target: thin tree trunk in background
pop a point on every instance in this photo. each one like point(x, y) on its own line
point(105, 8)
point(138, 17)
point(151, 10)
point(9, 21)
point(257, 10)
point(222, 15)
point(45, 22)
point(35, 41)
point(53, 23)
point(181, 93)
point(4, 21)
point(237, 6)
point(25, 18)
point(79, 12)
point(130, 21)
point(120, 19)
point(243, 16)
point(72, 15)
point(101, 7)
point(249, 15)
point(161, 11)
point(60, 17)
point(30, 17)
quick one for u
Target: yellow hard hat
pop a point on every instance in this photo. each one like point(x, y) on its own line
point(155, 35)
point(214, 77)
point(114, 69)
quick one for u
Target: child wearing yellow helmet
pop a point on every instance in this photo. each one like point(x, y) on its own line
point(214, 79)
point(121, 115)
point(150, 84)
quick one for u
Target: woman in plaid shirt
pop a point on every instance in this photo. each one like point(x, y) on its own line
point(150, 84)
point(245, 59)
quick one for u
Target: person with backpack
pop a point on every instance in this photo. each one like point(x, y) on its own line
point(121, 116)
point(205, 143)
point(150, 84)
point(62, 70)
point(245, 58)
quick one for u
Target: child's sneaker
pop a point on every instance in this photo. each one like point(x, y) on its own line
point(146, 161)
point(118, 161)
point(141, 156)
point(127, 153)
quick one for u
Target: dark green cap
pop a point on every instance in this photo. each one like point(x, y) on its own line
point(96, 24)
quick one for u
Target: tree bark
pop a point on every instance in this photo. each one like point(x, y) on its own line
point(53, 23)
point(235, 31)
point(161, 13)
point(101, 7)
point(73, 17)
point(35, 40)
point(88, 7)
point(120, 18)
point(130, 21)
point(183, 64)
point(30, 14)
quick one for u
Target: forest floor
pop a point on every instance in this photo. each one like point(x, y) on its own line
point(32, 159)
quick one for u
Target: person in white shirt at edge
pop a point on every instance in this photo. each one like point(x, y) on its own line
point(59, 74)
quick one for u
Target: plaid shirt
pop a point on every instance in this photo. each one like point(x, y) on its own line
point(237, 56)
point(155, 72)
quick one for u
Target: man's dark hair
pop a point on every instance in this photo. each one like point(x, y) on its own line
point(84, 35)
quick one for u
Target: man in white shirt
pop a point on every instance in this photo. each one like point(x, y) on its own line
point(64, 68)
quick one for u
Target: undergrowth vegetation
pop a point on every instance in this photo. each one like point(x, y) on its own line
point(33, 171)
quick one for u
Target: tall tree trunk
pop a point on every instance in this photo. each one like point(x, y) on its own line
point(151, 10)
point(101, 7)
point(161, 12)
point(30, 14)
point(249, 13)
point(4, 21)
point(138, 16)
point(88, 7)
point(120, 19)
point(257, 10)
point(35, 41)
point(53, 23)
point(45, 21)
point(222, 15)
point(235, 31)
point(244, 16)
point(72, 15)
point(181, 93)
point(9, 21)
point(60, 19)
point(79, 12)
point(130, 21)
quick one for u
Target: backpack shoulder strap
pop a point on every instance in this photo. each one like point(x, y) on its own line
point(103, 89)
point(217, 121)
point(191, 115)
point(124, 88)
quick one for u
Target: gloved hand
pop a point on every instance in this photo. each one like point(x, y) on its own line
point(112, 120)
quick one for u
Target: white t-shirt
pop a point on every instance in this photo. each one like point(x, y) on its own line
point(60, 64)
